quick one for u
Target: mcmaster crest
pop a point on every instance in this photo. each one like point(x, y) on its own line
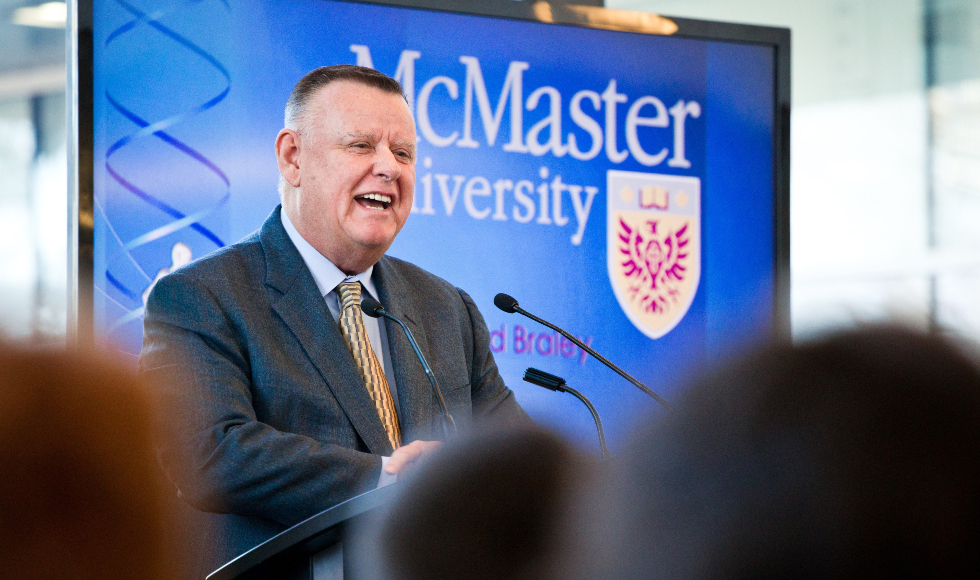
point(653, 246)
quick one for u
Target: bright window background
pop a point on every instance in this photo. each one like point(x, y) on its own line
point(33, 173)
point(885, 161)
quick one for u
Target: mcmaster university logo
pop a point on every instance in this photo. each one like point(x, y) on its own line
point(653, 247)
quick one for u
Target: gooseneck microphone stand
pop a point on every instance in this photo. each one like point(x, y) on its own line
point(558, 384)
point(374, 309)
point(509, 304)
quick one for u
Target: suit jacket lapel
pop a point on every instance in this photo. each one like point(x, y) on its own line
point(415, 395)
point(304, 311)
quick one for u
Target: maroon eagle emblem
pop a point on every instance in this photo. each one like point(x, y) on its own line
point(653, 261)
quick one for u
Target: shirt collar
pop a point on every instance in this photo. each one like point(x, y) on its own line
point(326, 275)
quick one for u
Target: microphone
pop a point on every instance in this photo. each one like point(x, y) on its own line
point(374, 309)
point(557, 384)
point(509, 304)
point(505, 302)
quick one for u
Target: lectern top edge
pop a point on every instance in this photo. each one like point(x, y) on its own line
point(305, 531)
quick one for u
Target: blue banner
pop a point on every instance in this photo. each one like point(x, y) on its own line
point(618, 184)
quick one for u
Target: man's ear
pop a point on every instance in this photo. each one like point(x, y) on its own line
point(287, 156)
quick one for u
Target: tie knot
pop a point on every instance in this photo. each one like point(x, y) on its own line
point(350, 294)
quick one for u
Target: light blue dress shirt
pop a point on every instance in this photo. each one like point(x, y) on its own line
point(327, 277)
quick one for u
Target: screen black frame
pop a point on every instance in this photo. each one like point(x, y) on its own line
point(81, 323)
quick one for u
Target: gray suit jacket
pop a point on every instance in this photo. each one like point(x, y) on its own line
point(266, 419)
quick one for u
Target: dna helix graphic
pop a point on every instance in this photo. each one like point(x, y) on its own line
point(178, 220)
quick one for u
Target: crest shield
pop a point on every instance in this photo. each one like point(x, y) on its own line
point(653, 246)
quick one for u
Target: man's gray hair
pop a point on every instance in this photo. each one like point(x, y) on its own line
point(323, 76)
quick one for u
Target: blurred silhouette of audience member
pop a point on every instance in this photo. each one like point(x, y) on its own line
point(79, 494)
point(854, 456)
point(482, 509)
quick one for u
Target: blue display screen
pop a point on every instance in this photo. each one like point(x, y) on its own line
point(618, 184)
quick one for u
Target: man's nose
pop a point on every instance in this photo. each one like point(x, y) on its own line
point(386, 166)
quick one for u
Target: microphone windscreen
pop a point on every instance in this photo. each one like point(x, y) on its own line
point(543, 379)
point(372, 307)
point(505, 303)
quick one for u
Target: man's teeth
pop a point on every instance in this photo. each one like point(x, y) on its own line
point(377, 197)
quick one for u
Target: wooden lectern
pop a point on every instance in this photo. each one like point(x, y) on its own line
point(319, 548)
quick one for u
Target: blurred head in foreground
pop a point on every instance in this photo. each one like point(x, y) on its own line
point(78, 483)
point(854, 456)
point(483, 509)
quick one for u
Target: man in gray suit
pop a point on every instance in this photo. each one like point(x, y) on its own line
point(270, 415)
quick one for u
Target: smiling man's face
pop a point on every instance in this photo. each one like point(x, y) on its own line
point(355, 178)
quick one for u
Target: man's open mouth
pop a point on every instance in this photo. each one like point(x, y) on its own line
point(374, 200)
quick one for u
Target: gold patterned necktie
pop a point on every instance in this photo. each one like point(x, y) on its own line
point(356, 337)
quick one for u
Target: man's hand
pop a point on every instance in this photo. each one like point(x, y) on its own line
point(408, 456)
